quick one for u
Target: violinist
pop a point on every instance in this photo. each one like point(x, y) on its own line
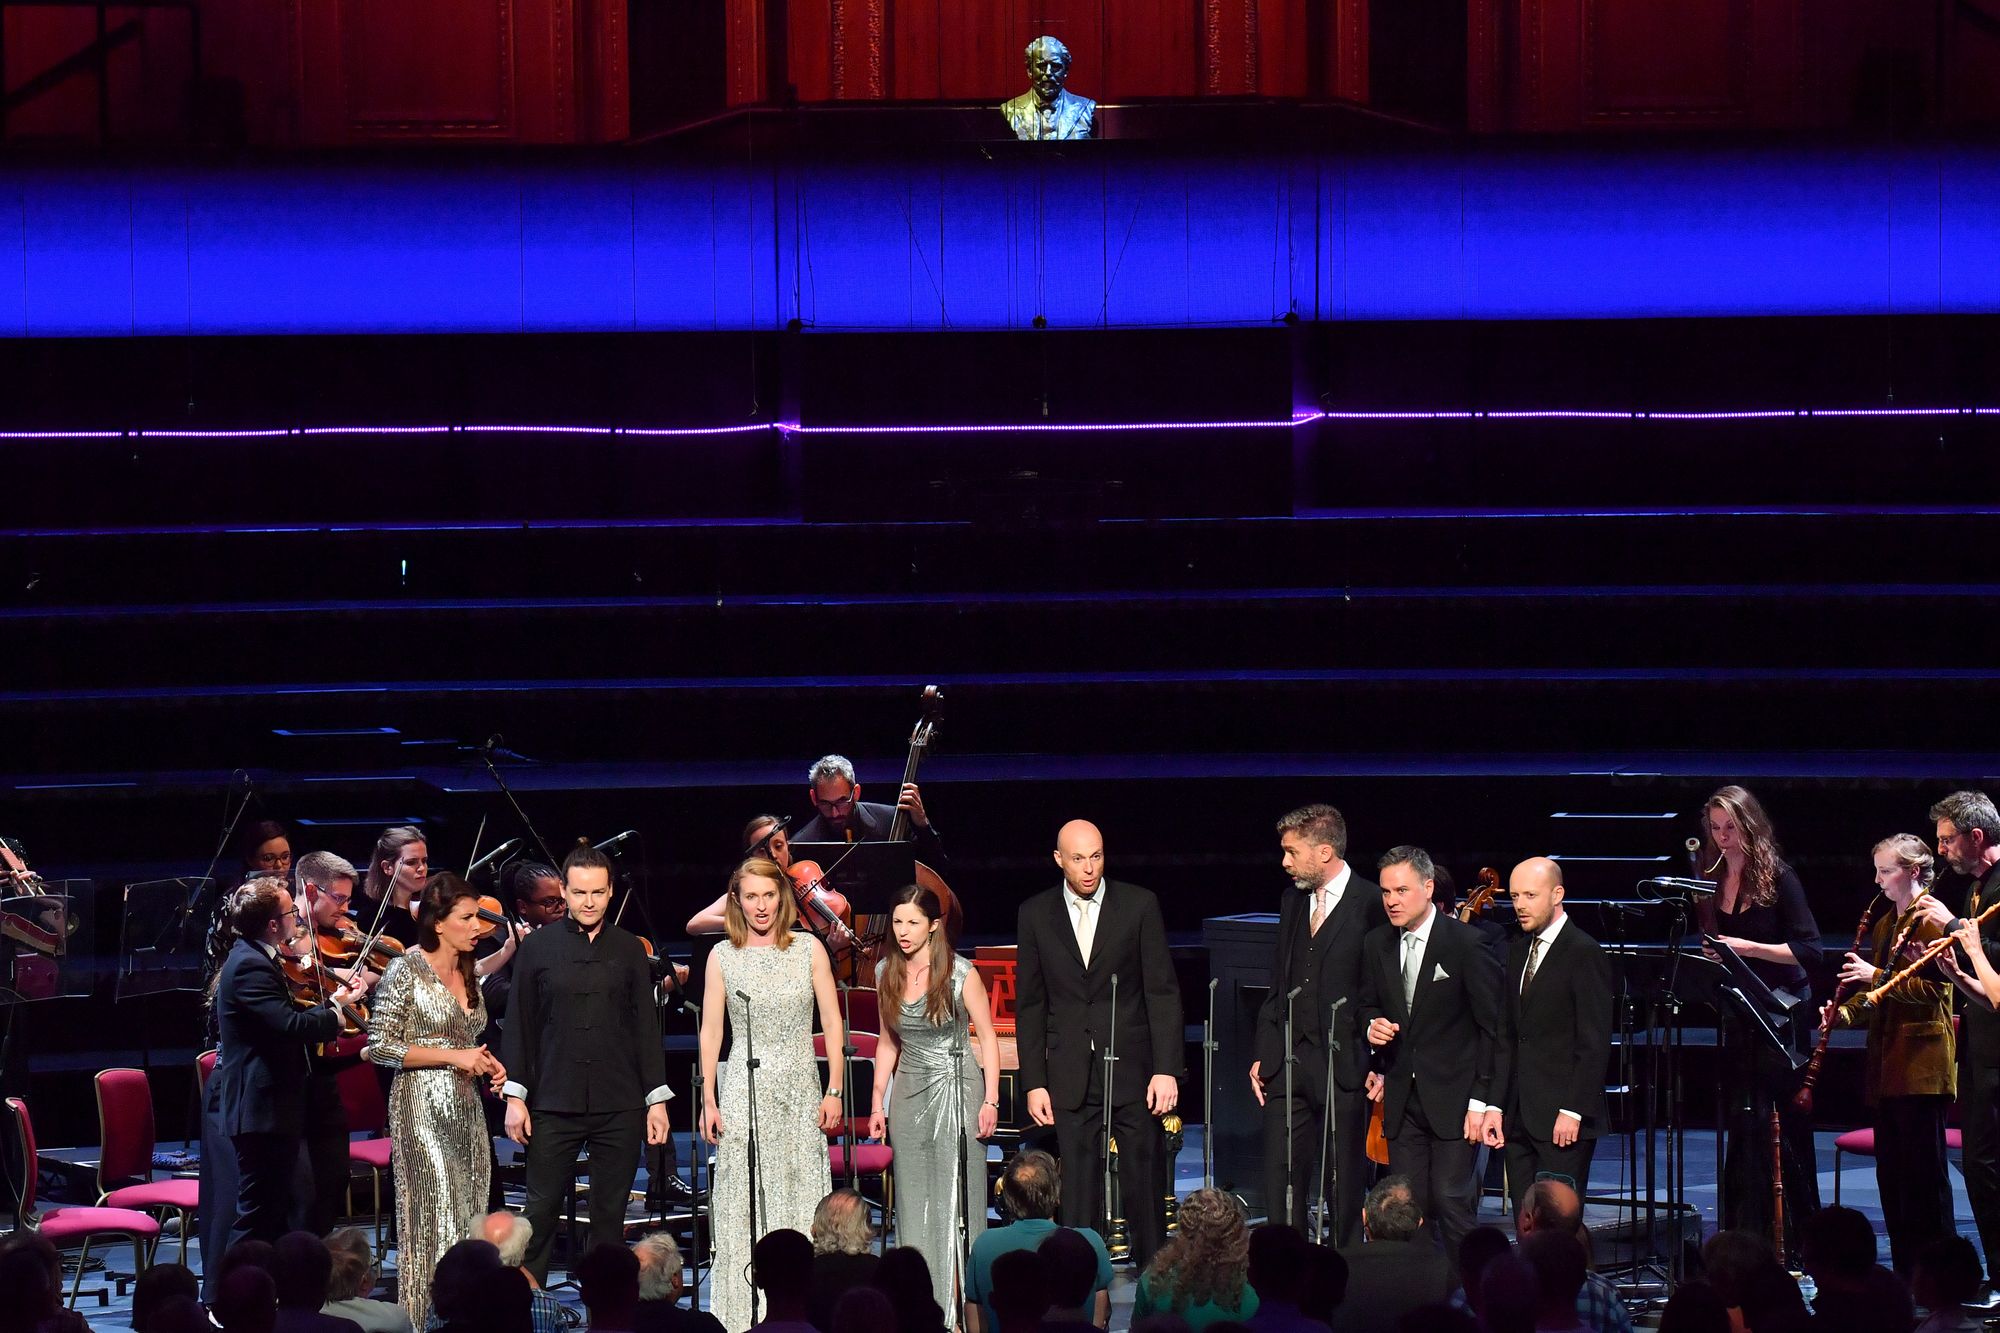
point(844, 817)
point(258, 1092)
point(326, 883)
point(396, 875)
point(763, 836)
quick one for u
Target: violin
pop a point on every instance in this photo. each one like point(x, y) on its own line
point(340, 946)
point(825, 912)
point(312, 985)
point(491, 916)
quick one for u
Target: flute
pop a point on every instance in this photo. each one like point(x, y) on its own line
point(1924, 959)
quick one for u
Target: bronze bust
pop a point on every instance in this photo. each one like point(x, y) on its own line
point(1048, 110)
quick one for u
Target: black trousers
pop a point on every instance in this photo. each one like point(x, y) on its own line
point(266, 1167)
point(1910, 1171)
point(1979, 1123)
point(1307, 1126)
point(1141, 1153)
point(1439, 1166)
point(1530, 1158)
point(614, 1139)
point(326, 1141)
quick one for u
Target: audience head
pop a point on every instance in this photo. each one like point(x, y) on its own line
point(1325, 1284)
point(781, 1266)
point(461, 1274)
point(1510, 1293)
point(1020, 1289)
point(1837, 1246)
point(31, 1272)
point(1696, 1307)
point(905, 1277)
point(1030, 1186)
point(1160, 1323)
point(301, 1265)
point(1072, 1265)
point(1390, 1211)
point(1481, 1246)
point(1549, 1205)
point(840, 1224)
point(862, 1310)
point(660, 1277)
point(247, 1254)
point(1436, 1317)
point(609, 1277)
point(507, 1304)
point(1277, 1262)
point(509, 1233)
point(157, 1285)
point(1729, 1258)
point(353, 1272)
point(1771, 1301)
point(178, 1314)
point(1558, 1263)
point(1209, 1257)
point(246, 1301)
point(1947, 1273)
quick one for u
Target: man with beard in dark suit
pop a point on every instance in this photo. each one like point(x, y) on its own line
point(1430, 995)
point(1073, 940)
point(1556, 1028)
point(1318, 952)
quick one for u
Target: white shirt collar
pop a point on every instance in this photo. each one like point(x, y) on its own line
point(1335, 885)
point(1421, 932)
point(270, 949)
point(1549, 932)
point(1073, 900)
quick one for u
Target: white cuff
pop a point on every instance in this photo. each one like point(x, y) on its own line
point(1572, 1115)
point(660, 1096)
point(1476, 1106)
point(512, 1089)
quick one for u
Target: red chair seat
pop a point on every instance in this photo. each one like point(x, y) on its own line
point(156, 1194)
point(370, 1152)
point(869, 1158)
point(1860, 1142)
point(63, 1224)
point(1954, 1140)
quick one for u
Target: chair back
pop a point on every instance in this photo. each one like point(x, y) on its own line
point(124, 1128)
point(361, 1097)
point(865, 1044)
point(864, 1009)
point(24, 1179)
point(204, 1065)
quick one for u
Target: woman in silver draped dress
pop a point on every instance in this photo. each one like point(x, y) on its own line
point(785, 975)
point(425, 1023)
point(940, 1110)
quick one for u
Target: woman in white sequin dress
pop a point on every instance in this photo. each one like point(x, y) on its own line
point(771, 978)
point(424, 1022)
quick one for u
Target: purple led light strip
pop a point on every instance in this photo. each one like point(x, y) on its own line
point(1021, 428)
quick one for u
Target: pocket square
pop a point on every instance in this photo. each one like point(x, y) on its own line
point(1440, 974)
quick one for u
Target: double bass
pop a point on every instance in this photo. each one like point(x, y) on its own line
point(921, 737)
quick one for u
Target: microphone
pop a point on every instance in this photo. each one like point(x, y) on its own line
point(1336, 1006)
point(611, 843)
point(1693, 888)
point(1293, 994)
point(743, 995)
point(491, 857)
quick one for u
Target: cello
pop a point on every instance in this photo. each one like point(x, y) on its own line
point(899, 828)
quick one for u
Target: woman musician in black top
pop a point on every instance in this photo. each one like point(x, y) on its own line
point(1760, 911)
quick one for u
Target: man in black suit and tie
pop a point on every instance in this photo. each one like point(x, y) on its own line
point(1430, 995)
point(257, 1092)
point(1318, 952)
point(1557, 1029)
point(1073, 940)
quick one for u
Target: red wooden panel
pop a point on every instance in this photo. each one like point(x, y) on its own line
point(1079, 24)
point(1688, 60)
point(915, 29)
point(1229, 50)
point(1149, 49)
point(809, 42)
point(446, 66)
point(977, 56)
point(746, 41)
point(1284, 48)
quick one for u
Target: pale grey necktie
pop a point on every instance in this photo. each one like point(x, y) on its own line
point(1086, 927)
point(1319, 908)
point(1413, 959)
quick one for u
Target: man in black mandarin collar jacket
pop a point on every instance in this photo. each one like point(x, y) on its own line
point(584, 1062)
point(1064, 1018)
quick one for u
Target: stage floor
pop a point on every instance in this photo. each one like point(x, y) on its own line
point(1856, 1179)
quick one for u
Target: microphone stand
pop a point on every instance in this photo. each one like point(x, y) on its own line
point(847, 1053)
point(486, 757)
point(1110, 1060)
point(750, 1084)
point(1208, 1049)
point(1291, 1062)
point(960, 1201)
point(695, 1206)
point(1329, 1165)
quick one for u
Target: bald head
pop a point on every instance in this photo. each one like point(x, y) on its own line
point(508, 1233)
point(1080, 856)
point(1536, 890)
point(1549, 1205)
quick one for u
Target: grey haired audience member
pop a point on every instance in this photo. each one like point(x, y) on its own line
point(352, 1278)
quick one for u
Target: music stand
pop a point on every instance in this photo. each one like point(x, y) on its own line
point(46, 953)
point(1768, 1010)
point(161, 941)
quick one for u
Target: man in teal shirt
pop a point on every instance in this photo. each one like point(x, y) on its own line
point(1030, 1192)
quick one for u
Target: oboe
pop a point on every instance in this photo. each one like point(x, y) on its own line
point(1802, 1100)
point(1925, 959)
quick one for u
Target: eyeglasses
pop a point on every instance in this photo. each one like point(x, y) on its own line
point(843, 803)
point(274, 858)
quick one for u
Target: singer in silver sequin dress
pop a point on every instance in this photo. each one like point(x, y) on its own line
point(784, 975)
point(939, 1105)
point(441, 1151)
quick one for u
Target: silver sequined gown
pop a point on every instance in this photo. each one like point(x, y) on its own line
point(793, 1174)
point(441, 1152)
point(934, 1104)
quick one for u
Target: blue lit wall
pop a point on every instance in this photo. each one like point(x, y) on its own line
point(1116, 233)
